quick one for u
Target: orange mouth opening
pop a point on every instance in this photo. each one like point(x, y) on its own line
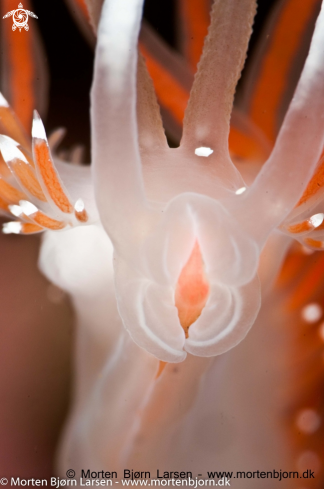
point(192, 290)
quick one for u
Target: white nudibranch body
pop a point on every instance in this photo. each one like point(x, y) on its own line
point(187, 232)
point(186, 248)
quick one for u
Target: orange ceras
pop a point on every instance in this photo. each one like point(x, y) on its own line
point(47, 171)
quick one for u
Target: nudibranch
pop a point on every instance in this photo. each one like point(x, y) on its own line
point(31, 187)
point(187, 232)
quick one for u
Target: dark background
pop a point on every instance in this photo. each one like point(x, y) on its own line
point(70, 61)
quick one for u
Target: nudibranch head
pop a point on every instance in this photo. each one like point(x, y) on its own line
point(188, 286)
point(186, 229)
point(31, 188)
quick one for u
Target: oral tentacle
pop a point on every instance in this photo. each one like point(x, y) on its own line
point(209, 109)
point(303, 121)
point(118, 182)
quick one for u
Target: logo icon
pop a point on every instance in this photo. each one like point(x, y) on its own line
point(20, 18)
